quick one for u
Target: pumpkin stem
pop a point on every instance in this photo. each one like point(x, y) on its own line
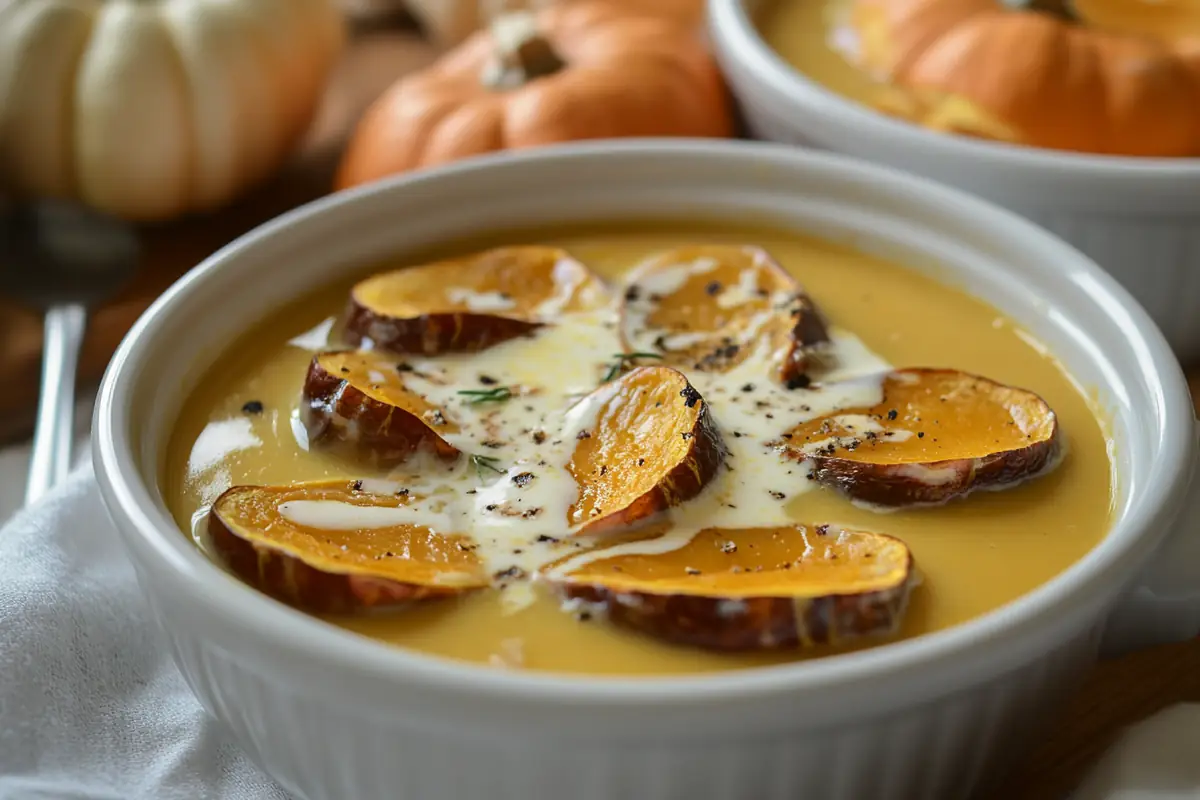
point(1059, 9)
point(523, 54)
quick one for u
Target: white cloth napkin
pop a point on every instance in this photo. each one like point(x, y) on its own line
point(1157, 759)
point(91, 705)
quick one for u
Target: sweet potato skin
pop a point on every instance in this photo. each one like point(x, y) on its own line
point(934, 481)
point(431, 334)
point(906, 485)
point(686, 479)
point(286, 578)
point(755, 623)
point(798, 325)
point(388, 433)
point(526, 276)
point(809, 334)
point(775, 588)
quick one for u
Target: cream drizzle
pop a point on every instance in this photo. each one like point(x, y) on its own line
point(219, 440)
point(480, 301)
point(334, 515)
point(515, 505)
point(742, 292)
point(568, 280)
point(661, 281)
point(316, 338)
point(757, 491)
point(857, 424)
point(299, 432)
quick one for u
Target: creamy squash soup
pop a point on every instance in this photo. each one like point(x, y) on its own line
point(641, 449)
point(1117, 77)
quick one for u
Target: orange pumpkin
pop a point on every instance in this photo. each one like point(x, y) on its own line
point(1096, 79)
point(690, 11)
point(588, 69)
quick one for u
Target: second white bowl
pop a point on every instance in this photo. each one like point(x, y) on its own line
point(1139, 218)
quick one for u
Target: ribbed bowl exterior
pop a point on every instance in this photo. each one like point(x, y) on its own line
point(946, 748)
point(1156, 259)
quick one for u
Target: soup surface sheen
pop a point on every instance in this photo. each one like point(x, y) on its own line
point(973, 555)
point(816, 38)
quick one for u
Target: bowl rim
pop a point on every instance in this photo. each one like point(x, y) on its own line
point(731, 25)
point(270, 624)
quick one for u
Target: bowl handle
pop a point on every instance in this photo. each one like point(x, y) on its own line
point(1164, 606)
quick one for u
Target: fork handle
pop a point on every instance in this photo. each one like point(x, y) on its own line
point(51, 461)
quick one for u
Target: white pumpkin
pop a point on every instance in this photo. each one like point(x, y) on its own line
point(150, 109)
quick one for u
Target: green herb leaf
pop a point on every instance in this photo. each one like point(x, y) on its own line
point(497, 395)
point(482, 463)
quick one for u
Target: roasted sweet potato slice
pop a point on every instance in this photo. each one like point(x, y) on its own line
point(471, 303)
point(333, 547)
point(755, 588)
point(938, 434)
point(646, 442)
point(359, 399)
point(712, 307)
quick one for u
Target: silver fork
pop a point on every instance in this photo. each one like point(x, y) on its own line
point(61, 258)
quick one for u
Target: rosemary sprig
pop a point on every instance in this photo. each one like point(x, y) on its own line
point(497, 395)
point(621, 363)
point(485, 462)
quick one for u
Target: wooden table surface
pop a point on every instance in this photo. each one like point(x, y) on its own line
point(1117, 693)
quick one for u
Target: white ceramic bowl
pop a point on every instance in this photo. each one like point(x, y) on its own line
point(334, 716)
point(1139, 218)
